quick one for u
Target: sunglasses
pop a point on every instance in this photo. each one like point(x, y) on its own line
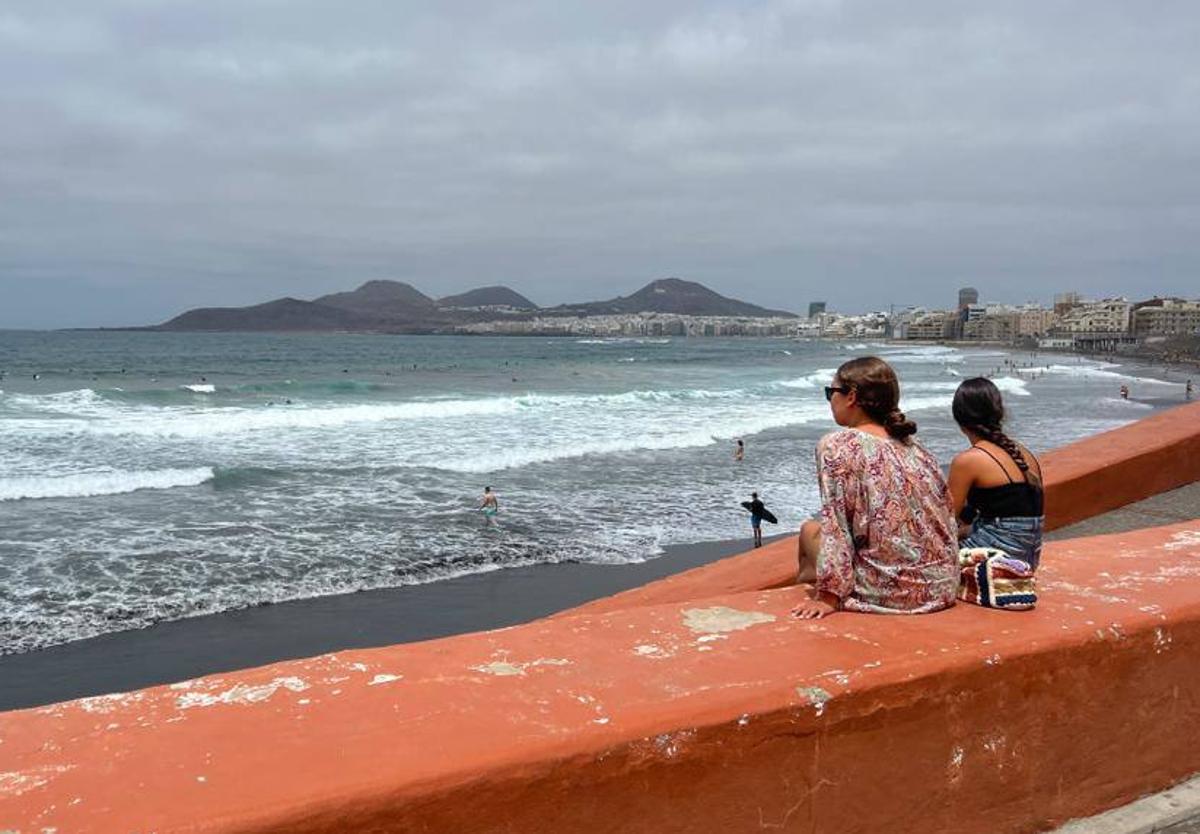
point(830, 390)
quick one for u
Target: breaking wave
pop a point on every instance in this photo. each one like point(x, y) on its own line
point(100, 483)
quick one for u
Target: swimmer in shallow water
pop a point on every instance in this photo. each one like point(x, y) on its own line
point(489, 505)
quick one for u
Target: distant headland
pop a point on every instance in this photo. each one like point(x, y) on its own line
point(396, 307)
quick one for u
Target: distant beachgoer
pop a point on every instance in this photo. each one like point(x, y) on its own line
point(739, 452)
point(996, 485)
point(756, 517)
point(489, 505)
point(1187, 390)
point(885, 539)
point(1124, 392)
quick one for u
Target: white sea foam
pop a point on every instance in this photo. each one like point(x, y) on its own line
point(81, 399)
point(673, 430)
point(817, 379)
point(200, 388)
point(98, 417)
point(912, 358)
point(1095, 371)
point(100, 483)
point(1012, 385)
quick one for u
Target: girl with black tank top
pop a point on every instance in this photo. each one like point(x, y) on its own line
point(996, 485)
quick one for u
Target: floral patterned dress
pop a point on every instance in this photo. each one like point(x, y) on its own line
point(888, 538)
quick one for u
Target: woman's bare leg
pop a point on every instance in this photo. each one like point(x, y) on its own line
point(810, 546)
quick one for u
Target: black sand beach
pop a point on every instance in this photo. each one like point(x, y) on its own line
point(188, 648)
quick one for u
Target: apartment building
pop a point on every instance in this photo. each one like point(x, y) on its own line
point(1166, 317)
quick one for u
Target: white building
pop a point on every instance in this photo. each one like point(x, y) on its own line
point(1166, 317)
point(1108, 316)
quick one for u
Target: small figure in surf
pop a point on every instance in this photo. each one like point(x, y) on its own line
point(739, 452)
point(758, 512)
point(1187, 391)
point(1124, 392)
point(489, 505)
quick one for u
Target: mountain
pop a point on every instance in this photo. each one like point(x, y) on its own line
point(396, 307)
point(383, 300)
point(495, 296)
point(282, 314)
point(672, 295)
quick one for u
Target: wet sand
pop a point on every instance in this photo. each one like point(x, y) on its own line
point(182, 649)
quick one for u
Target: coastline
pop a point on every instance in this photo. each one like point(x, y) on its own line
point(181, 649)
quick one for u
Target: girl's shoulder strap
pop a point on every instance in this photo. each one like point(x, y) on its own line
point(998, 463)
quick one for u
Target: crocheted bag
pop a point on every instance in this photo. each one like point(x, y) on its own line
point(993, 579)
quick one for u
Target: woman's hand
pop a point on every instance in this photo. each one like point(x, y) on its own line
point(822, 605)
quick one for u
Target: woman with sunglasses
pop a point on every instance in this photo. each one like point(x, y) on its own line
point(885, 541)
point(996, 485)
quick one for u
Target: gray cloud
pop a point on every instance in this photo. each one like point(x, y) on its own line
point(157, 156)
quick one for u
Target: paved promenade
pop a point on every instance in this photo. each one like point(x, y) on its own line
point(1182, 504)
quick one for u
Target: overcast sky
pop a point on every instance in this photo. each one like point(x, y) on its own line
point(157, 156)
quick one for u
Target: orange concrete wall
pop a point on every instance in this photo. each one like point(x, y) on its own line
point(1110, 470)
point(710, 711)
point(721, 715)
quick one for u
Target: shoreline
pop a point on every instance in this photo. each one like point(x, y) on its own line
point(177, 650)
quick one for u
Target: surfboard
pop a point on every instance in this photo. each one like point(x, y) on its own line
point(767, 515)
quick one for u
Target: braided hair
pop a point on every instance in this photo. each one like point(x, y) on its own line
point(979, 407)
point(878, 390)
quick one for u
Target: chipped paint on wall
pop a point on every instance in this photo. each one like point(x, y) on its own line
point(504, 668)
point(721, 618)
point(241, 694)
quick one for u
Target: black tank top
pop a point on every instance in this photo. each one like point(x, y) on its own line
point(1016, 499)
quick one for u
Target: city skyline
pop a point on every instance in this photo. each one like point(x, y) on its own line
point(163, 157)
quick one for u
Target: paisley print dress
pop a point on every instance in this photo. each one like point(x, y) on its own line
point(888, 538)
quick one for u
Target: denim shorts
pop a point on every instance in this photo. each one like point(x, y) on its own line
point(1019, 537)
point(755, 521)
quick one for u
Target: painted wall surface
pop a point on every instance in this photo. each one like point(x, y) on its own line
point(717, 712)
point(1110, 470)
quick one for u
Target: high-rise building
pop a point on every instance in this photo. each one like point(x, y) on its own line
point(1066, 301)
point(967, 296)
point(815, 308)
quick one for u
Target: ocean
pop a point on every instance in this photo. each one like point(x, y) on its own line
point(154, 476)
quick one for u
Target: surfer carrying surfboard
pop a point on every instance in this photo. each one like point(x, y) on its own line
point(758, 512)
